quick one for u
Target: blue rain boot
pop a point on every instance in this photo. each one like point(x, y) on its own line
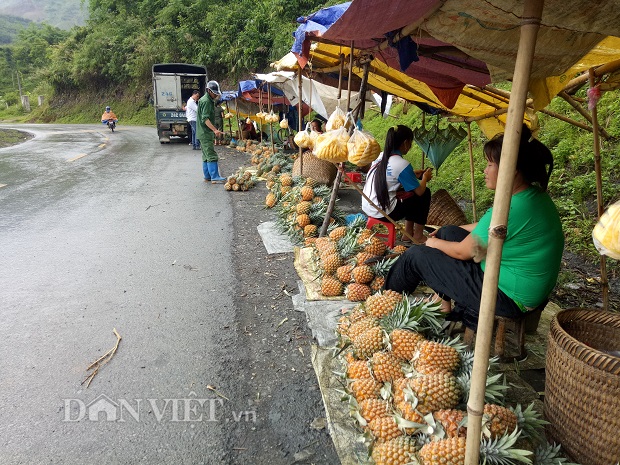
point(205, 171)
point(215, 173)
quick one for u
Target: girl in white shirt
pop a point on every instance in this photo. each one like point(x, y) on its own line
point(393, 185)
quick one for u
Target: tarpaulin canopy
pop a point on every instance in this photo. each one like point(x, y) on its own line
point(322, 98)
point(462, 45)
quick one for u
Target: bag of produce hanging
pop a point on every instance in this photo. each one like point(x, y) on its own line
point(606, 233)
point(303, 139)
point(332, 146)
point(363, 148)
point(336, 120)
point(284, 123)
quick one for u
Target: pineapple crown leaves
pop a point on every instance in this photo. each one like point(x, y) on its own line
point(417, 315)
point(495, 389)
point(529, 421)
point(549, 454)
point(501, 451)
point(322, 191)
point(359, 222)
point(382, 267)
point(455, 343)
point(386, 391)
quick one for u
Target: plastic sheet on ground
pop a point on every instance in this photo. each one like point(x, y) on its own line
point(322, 315)
point(340, 424)
point(272, 239)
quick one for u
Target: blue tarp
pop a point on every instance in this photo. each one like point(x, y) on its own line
point(317, 22)
point(228, 95)
point(250, 85)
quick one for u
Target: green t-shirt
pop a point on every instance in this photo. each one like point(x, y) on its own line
point(532, 250)
point(206, 110)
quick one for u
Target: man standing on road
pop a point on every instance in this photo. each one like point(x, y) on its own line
point(191, 111)
point(206, 132)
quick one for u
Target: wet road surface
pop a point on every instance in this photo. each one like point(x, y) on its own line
point(102, 231)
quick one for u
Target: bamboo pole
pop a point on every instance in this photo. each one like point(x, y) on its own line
point(240, 135)
point(340, 72)
point(334, 196)
point(530, 24)
point(471, 172)
point(299, 123)
point(573, 103)
point(350, 75)
point(273, 148)
point(229, 121)
point(599, 190)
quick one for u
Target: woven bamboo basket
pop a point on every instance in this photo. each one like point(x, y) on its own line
point(444, 210)
point(582, 387)
point(321, 171)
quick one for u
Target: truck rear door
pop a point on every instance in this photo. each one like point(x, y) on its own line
point(167, 92)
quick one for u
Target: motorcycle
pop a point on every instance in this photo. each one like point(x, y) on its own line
point(112, 125)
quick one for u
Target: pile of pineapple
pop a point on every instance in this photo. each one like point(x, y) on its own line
point(242, 180)
point(300, 204)
point(342, 257)
point(407, 389)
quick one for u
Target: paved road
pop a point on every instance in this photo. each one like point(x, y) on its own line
point(101, 231)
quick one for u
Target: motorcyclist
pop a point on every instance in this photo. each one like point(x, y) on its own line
point(108, 116)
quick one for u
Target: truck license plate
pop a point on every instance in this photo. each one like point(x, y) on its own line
point(179, 128)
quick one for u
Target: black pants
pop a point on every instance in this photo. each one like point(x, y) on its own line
point(457, 280)
point(414, 208)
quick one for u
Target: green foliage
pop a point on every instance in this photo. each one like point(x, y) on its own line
point(9, 27)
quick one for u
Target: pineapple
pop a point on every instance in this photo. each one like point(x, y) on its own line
point(363, 236)
point(359, 369)
point(363, 389)
point(379, 305)
point(435, 392)
point(307, 193)
point(286, 189)
point(386, 367)
point(310, 231)
point(362, 274)
point(369, 342)
point(331, 287)
point(498, 420)
point(451, 420)
point(372, 409)
point(338, 233)
point(384, 428)
point(449, 451)
point(356, 292)
point(375, 247)
point(362, 257)
point(409, 413)
point(399, 250)
point(310, 182)
point(377, 284)
point(398, 451)
point(343, 273)
point(286, 180)
point(403, 343)
point(303, 208)
point(303, 220)
point(433, 357)
point(331, 262)
point(271, 200)
point(360, 326)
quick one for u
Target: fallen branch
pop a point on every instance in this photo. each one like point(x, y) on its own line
point(105, 358)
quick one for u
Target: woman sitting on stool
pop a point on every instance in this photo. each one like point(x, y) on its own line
point(393, 185)
point(531, 254)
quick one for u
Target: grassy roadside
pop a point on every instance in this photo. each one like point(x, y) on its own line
point(10, 137)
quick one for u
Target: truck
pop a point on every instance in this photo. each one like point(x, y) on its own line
point(173, 84)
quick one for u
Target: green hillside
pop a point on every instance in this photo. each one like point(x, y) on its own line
point(63, 14)
point(9, 27)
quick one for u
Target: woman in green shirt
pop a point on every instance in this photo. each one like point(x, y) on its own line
point(452, 261)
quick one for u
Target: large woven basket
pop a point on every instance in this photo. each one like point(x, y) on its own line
point(444, 210)
point(582, 386)
point(322, 171)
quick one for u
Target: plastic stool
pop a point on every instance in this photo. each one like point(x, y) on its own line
point(390, 236)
